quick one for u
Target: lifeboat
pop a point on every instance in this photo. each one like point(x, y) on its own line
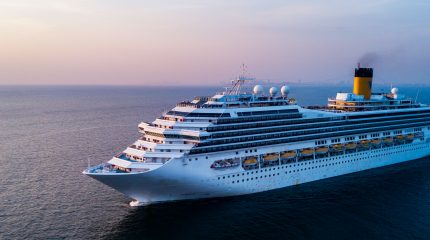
point(388, 140)
point(376, 141)
point(351, 145)
point(410, 136)
point(364, 143)
point(307, 152)
point(321, 150)
point(250, 162)
point(400, 137)
point(271, 157)
point(337, 147)
point(288, 155)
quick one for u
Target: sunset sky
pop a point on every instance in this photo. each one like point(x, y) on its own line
point(135, 42)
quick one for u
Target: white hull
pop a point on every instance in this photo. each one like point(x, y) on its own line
point(181, 179)
point(235, 143)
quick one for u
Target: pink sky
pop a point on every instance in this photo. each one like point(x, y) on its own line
point(205, 42)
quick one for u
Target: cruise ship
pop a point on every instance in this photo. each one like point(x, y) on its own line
point(239, 142)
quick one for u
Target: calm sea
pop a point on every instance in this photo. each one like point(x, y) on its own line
point(48, 133)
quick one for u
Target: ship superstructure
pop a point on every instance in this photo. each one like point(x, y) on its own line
point(237, 143)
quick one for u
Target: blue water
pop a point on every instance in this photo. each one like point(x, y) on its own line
point(48, 133)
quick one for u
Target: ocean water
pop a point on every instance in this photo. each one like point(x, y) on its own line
point(47, 135)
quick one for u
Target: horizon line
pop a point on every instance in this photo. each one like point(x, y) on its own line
point(198, 85)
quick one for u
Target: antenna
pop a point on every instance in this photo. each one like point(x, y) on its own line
point(238, 83)
point(243, 68)
point(416, 97)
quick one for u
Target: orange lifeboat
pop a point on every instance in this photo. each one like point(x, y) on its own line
point(364, 143)
point(400, 138)
point(288, 155)
point(321, 150)
point(252, 161)
point(351, 145)
point(388, 140)
point(410, 136)
point(270, 157)
point(307, 152)
point(337, 147)
point(376, 141)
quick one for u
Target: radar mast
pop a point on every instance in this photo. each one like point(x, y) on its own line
point(240, 81)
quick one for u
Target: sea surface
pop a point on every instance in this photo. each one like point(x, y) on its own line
point(48, 134)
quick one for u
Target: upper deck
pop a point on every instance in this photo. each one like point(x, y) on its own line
point(350, 102)
point(245, 100)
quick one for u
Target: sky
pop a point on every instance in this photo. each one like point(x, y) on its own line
point(138, 42)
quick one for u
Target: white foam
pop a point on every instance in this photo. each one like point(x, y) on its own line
point(136, 203)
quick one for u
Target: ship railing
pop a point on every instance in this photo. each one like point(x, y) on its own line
point(103, 167)
point(187, 104)
point(109, 168)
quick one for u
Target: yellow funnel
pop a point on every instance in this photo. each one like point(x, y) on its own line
point(363, 82)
